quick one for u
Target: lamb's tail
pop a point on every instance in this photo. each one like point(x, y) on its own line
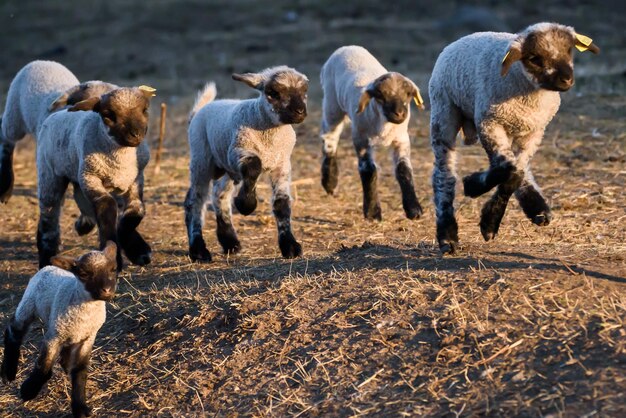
point(205, 96)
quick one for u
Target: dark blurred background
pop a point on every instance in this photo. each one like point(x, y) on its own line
point(176, 45)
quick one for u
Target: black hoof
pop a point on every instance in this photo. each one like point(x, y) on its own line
point(447, 235)
point(289, 247)
point(413, 212)
point(10, 362)
point(137, 250)
point(245, 202)
point(542, 219)
point(32, 386)
point(198, 251)
point(228, 240)
point(474, 185)
point(374, 213)
point(330, 174)
point(81, 410)
point(490, 225)
point(448, 247)
point(84, 225)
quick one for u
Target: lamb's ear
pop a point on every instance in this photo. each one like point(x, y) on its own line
point(585, 43)
point(147, 91)
point(417, 97)
point(364, 100)
point(59, 103)
point(93, 104)
point(110, 251)
point(64, 262)
point(513, 54)
point(254, 80)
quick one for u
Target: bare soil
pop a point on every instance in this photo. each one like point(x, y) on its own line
point(372, 320)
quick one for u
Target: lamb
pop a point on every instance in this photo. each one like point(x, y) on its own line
point(502, 89)
point(233, 142)
point(38, 89)
point(350, 79)
point(99, 151)
point(69, 297)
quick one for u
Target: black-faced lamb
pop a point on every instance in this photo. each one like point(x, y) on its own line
point(96, 145)
point(232, 142)
point(69, 297)
point(38, 89)
point(502, 89)
point(351, 78)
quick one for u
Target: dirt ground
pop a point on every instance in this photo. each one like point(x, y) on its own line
point(372, 320)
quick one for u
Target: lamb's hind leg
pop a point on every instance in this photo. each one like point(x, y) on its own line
point(222, 204)
point(404, 175)
point(135, 247)
point(10, 133)
point(332, 126)
point(532, 201)
point(369, 177)
point(13, 336)
point(281, 206)
point(51, 194)
point(195, 210)
point(42, 372)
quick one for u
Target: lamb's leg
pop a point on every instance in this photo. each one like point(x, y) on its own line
point(13, 336)
point(78, 372)
point(494, 209)
point(6, 170)
point(51, 195)
point(369, 177)
point(404, 175)
point(42, 372)
point(86, 222)
point(250, 168)
point(332, 126)
point(222, 204)
point(195, 209)
point(135, 247)
point(281, 206)
point(105, 208)
point(443, 129)
point(502, 163)
point(532, 201)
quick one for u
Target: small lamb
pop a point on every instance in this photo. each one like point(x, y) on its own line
point(502, 89)
point(38, 89)
point(234, 141)
point(70, 298)
point(99, 152)
point(350, 79)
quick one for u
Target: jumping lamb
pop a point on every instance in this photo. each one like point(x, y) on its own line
point(69, 297)
point(351, 78)
point(38, 89)
point(96, 145)
point(502, 89)
point(232, 142)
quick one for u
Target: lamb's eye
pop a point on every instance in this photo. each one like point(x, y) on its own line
point(536, 60)
point(273, 95)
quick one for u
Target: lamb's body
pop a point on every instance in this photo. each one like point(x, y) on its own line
point(235, 141)
point(501, 89)
point(347, 74)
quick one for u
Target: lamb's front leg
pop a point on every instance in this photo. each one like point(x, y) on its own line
point(42, 372)
point(493, 211)
point(404, 175)
point(502, 163)
point(105, 209)
point(532, 201)
point(135, 247)
point(281, 206)
point(369, 177)
point(13, 336)
point(250, 168)
point(81, 356)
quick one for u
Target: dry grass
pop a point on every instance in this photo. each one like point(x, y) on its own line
point(372, 320)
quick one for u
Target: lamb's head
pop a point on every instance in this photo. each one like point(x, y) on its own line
point(81, 92)
point(393, 92)
point(124, 111)
point(97, 270)
point(284, 91)
point(545, 51)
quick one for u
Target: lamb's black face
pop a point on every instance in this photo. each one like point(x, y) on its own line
point(393, 92)
point(288, 100)
point(547, 56)
point(125, 113)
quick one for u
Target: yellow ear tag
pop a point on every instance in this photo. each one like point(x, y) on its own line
point(419, 102)
point(148, 89)
point(505, 57)
point(583, 42)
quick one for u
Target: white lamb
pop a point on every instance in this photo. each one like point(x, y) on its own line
point(69, 297)
point(234, 141)
point(96, 150)
point(502, 89)
point(350, 79)
point(38, 89)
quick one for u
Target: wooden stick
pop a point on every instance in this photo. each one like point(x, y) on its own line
point(157, 159)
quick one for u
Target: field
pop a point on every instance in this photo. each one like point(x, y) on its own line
point(372, 320)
